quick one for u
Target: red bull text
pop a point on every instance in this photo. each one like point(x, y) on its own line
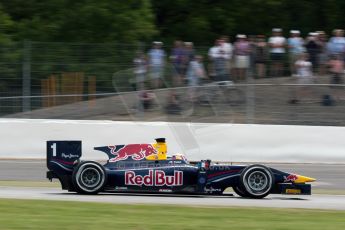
point(154, 178)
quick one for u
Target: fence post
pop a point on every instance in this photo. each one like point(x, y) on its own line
point(26, 74)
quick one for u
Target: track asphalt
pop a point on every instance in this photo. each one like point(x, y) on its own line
point(329, 177)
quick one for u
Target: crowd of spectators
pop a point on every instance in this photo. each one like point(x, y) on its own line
point(262, 57)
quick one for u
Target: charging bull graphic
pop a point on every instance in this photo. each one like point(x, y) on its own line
point(290, 178)
point(135, 151)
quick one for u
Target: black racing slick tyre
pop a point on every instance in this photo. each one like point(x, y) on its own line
point(89, 177)
point(239, 191)
point(256, 181)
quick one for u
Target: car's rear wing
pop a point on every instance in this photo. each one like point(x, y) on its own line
point(62, 155)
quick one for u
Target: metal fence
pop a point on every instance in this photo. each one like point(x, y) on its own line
point(24, 66)
point(97, 81)
point(237, 103)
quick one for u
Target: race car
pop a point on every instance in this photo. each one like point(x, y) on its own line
point(147, 168)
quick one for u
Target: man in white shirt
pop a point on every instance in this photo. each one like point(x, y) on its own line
point(156, 63)
point(277, 45)
point(296, 48)
point(336, 44)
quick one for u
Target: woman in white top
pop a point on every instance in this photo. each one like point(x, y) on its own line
point(304, 70)
point(304, 76)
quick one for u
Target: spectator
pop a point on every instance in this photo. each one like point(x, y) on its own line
point(313, 48)
point(336, 65)
point(212, 54)
point(260, 56)
point(323, 55)
point(336, 44)
point(156, 64)
point(140, 70)
point(178, 61)
point(146, 99)
point(252, 47)
point(304, 69)
point(296, 48)
point(277, 44)
point(173, 104)
point(189, 52)
point(304, 75)
point(195, 72)
point(189, 55)
point(241, 51)
point(228, 48)
point(219, 58)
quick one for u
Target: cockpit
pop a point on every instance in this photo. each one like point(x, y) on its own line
point(179, 156)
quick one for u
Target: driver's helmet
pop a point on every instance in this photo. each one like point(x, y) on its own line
point(179, 156)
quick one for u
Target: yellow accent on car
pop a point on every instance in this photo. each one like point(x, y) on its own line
point(293, 191)
point(161, 148)
point(303, 179)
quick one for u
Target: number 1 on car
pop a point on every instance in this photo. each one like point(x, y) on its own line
point(53, 146)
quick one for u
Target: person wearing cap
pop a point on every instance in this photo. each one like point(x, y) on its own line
point(336, 44)
point(241, 51)
point(156, 57)
point(189, 52)
point(219, 58)
point(313, 48)
point(277, 44)
point(296, 48)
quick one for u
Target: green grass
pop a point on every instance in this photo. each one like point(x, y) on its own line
point(32, 214)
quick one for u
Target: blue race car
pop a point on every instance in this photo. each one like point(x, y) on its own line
point(147, 168)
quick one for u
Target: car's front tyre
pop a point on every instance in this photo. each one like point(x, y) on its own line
point(239, 191)
point(256, 181)
point(89, 177)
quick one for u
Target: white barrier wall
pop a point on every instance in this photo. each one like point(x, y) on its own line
point(26, 138)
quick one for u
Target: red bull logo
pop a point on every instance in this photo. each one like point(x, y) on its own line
point(290, 178)
point(154, 178)
point(135, 151)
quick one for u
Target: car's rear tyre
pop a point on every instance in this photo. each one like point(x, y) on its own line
point(256, 181)
point(89, 177)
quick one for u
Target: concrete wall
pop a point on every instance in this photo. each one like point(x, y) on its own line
point(25, 138)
